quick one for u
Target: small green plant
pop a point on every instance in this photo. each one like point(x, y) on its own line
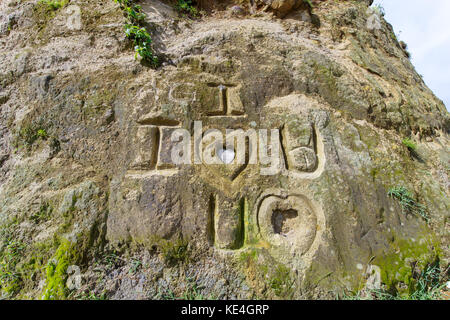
point(10, 278)
point(29, 134)
point(412, 148)
point(111, 259)
point(192, 292)
point(174, 252)
point(43, 214)
point(135, 265)
point(408, 203)
point(142, 43)
point(187, 7)
point(428, 285)
point(41, 133)
point(280, 281)
point(134, 13)
point(409, 144)
point(136, 31)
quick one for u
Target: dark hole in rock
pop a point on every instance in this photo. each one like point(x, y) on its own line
point(281, 220)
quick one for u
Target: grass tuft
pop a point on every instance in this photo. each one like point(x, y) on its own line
point(428, 286)
point(408, 203)
point(411, 145)
point(174, 252)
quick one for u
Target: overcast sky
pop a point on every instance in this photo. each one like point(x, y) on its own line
point(425, 26)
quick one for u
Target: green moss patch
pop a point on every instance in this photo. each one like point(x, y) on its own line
point(266, 273)
point(56, 271)
point(407, 259)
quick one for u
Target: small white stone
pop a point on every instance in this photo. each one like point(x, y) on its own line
point(359, 266)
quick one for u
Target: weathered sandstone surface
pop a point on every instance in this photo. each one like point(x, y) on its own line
point(87, 179)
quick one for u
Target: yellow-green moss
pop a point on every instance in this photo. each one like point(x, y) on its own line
point(268, 274)
point(56, 271)
point(174, 252)
point(397, 266)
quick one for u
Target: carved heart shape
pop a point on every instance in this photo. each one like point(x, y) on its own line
point(228, 162)
point(288, 221)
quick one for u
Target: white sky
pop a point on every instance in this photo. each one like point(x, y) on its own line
point(425, 26)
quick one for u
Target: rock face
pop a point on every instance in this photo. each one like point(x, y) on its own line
point(88, 134)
